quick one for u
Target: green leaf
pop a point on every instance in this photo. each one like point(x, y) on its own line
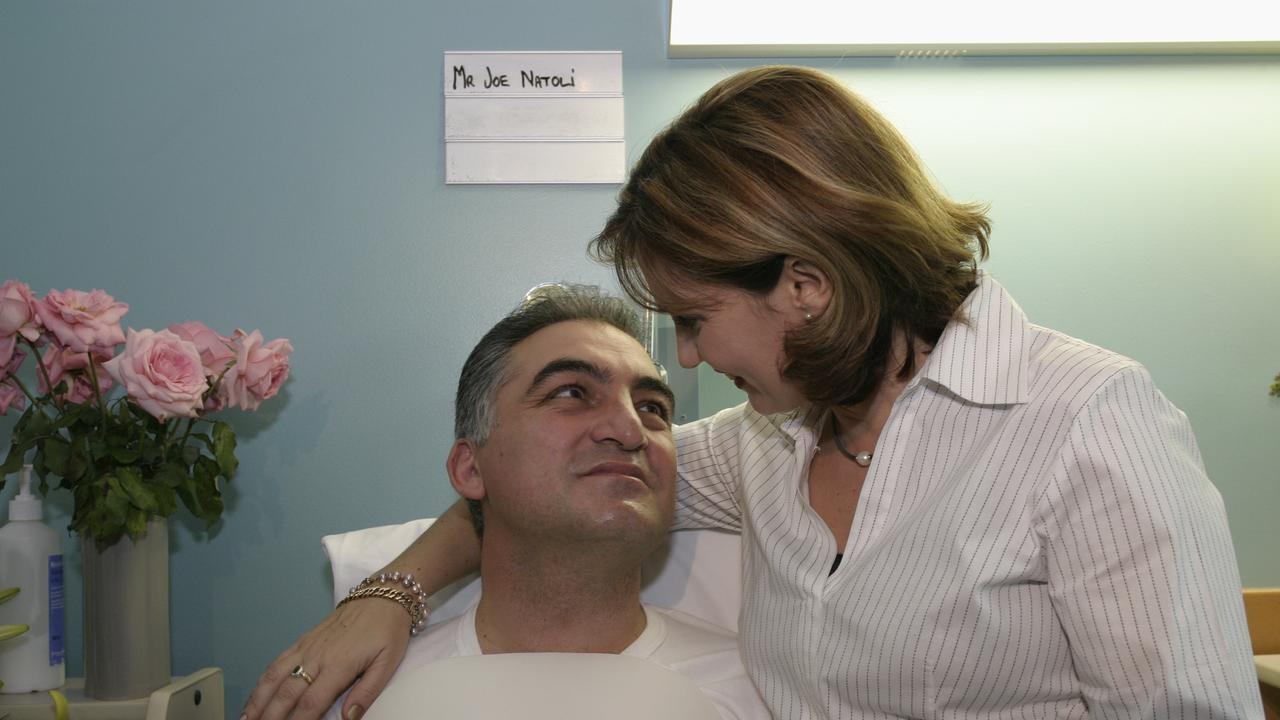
point(187, 493)
point(38, 465)
point(224, 448)
point(78, 463)
point(206, 490)
point(37, 423)
point(8, 594)
point(171, 475)
point(107, 534)
point(70, 415)
point(139, 494)
point(189, 454)
point(56, 453)
point(125, 455)
point(166, 500)
point(136, 524)
point(115, 504)
point(100, 511)
point(12, 631)
point(12, 461)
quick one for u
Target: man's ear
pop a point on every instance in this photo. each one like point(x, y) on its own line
point(464, 470)
point(806, 286)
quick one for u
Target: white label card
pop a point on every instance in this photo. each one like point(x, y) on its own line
point(534, 117)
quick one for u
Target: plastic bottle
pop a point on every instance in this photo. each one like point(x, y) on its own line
point(31, 559)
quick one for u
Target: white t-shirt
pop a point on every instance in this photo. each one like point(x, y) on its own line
point(706, 654)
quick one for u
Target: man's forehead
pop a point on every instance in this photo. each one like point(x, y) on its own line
point(589, 340)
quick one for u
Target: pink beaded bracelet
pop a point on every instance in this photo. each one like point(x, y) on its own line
point(413, 599)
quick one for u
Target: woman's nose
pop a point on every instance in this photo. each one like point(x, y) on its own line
point(686, 350)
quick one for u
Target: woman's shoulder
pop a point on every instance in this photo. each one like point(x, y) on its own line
point(1053, 350)
point(1065, 370)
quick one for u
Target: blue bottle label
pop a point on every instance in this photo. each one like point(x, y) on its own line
point(57, 647)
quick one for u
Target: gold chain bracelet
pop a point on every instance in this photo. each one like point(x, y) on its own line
point(412, 598)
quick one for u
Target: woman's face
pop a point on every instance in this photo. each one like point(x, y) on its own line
point(740, 335)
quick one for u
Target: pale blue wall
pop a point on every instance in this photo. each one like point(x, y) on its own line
point(279, 165)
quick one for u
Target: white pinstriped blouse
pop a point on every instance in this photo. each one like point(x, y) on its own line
point(1036, 538)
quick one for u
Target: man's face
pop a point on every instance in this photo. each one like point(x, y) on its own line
point(581, 448)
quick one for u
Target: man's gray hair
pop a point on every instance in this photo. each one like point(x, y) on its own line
point(486, 368)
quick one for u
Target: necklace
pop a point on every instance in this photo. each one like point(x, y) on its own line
point(863, 458)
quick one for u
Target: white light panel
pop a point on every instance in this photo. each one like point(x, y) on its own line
point(753, 28)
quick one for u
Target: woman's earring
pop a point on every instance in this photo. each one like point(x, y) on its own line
point(808, 317)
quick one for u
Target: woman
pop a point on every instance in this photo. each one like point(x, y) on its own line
point(946, 510)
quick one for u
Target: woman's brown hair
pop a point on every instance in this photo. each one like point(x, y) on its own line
point(778, 162)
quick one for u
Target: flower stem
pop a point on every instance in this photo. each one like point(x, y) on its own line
point(23, 388)
point(164, 437)
point(190, 423)
point(97, 394)
point(44, 371)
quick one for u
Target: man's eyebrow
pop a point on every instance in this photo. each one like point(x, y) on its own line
point(560, 365)
point(599, 374)
point(653, 384)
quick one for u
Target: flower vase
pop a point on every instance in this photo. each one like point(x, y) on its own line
point(126, 615)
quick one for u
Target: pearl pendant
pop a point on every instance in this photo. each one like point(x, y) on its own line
point(863, 458)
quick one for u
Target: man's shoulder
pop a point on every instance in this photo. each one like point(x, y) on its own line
point(438, 642)
point(688, 637)
point(708, 655)
point(704, 652)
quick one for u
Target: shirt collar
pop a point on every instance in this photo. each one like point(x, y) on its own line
point(799, 425)
point(982, 357)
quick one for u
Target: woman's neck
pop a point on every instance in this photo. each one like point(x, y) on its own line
point(860, 424)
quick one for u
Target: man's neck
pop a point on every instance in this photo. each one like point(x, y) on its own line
point(557, 600)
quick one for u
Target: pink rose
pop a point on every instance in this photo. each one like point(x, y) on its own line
point(83, 320)
point(64, 363)
point(161, 372)
point(259, 371)
point(216, 352)
point(17, 317)
point(11, 397)
point(8, 347)
point(15, 362)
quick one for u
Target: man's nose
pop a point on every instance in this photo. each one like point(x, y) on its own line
point(620, 423)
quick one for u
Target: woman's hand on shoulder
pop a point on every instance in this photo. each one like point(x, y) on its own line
point(361, 642)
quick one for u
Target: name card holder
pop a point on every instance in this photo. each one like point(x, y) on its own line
point(534, 117)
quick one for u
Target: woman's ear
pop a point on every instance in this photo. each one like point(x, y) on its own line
point(464, 470)
point(806, 286)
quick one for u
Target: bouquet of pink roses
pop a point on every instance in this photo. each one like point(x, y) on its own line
point(130, 454)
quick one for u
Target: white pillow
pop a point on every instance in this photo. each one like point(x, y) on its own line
point(698, 572)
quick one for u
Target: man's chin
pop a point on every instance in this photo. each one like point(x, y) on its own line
point(633, 524)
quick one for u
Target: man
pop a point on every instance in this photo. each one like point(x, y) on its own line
point(565, 455)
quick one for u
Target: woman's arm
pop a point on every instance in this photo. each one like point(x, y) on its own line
point(1140, 564)
point(707, 461)
point(363, 641)
point(367, 640)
